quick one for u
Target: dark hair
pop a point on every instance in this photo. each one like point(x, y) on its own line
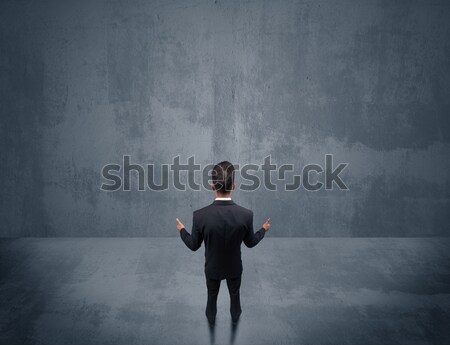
point(223, 177)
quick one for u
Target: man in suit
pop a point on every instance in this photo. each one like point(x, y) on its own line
point(223, 226)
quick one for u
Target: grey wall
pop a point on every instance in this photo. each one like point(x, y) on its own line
point(83, 83)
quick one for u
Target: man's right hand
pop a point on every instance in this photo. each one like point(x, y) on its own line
point(266, 225)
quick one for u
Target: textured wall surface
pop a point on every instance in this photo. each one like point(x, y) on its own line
point(84, 82)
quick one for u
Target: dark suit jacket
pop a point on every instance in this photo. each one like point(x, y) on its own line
point(223, 225)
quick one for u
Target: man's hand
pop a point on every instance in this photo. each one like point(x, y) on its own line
point(266, 225)
point(179, 225)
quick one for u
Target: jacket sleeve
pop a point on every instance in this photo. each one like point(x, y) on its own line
point(192, 241)
point(251, 239)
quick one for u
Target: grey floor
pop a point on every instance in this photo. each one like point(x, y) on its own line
point(294, 291)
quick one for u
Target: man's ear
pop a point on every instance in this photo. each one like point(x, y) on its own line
point(213, 187)
point(233, 186)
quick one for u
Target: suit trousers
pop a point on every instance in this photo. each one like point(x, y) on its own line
point(213, 286)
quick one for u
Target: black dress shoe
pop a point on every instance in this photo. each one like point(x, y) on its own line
point(211, 320)
point(235, 320)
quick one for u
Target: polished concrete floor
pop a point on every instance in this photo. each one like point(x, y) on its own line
point(294, 291)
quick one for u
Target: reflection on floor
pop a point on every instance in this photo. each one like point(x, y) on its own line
point(294, 291)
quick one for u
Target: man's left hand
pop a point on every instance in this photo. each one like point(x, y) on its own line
point(179, 225)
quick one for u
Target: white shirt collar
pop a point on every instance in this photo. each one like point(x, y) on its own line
point(223, 198)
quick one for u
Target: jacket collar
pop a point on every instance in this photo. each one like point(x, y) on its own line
point(223, 202)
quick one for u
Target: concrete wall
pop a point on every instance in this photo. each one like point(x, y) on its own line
point(84, 82)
